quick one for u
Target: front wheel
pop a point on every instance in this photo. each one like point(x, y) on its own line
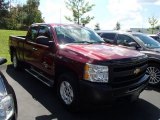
point(67, 91)
point(153, 71)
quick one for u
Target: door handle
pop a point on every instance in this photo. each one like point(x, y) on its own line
point(35, 49)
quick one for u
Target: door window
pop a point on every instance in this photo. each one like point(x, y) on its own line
point(44, 31)
point(124, 40)
point(44, 35)
point(32, 33)
point(110, 36)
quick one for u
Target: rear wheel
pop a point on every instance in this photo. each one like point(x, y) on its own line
point(153, 71)
point(15, 61)
point(67, 91)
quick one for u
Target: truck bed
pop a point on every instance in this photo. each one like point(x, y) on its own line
point(15, 40)
point(12, 37)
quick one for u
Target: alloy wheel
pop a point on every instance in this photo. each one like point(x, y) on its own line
point(154, 74)
point(66, 92)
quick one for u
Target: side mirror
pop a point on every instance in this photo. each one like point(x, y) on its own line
point(2, 61)
point(44, 41)
point(132, 44)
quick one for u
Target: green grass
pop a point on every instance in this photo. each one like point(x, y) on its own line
point(4, 40)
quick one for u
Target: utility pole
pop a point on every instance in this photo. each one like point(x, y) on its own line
point(10, 5)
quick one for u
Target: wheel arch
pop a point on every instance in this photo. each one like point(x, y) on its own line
point(153, 61)
point(62, 69)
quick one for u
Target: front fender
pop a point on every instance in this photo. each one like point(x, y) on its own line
point(154, 60)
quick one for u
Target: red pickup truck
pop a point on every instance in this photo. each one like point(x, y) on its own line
point(78, 62)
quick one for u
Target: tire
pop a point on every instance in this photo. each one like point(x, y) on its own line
point(16, 64)
point(67, 90)
point(129, 99)
point(153, 71)
point(134, 98)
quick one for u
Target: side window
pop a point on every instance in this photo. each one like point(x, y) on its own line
point(110, 36)
point(44, 31)
point(124, 39)
point(32, 33)
point(44, 35)
point(99, 34)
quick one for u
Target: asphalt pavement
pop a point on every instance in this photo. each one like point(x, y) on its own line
point(36, 101)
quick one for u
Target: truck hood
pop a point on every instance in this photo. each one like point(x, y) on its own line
point(97, 51)
point(152, 53)
point(156, 50)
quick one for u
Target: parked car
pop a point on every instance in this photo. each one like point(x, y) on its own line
point(142, 43)
point(77, 61)
point(154, 36)
point(8, 102)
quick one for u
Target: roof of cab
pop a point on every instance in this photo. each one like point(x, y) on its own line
point(113, 31)
point(55, 24)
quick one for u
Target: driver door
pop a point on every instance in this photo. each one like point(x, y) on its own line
point(43, 52)
point(124, 41)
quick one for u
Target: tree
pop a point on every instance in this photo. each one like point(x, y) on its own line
point(157, 27)
point(139, 30)
point(4, 5)
point(19, 17)
point(79, 8)
point(97, 27)
point(152, 21)
point(118, 26)
point(12, 19)
point(3, 13)
point(33, 15)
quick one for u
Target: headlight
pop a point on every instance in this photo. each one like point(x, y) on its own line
point(96, 73)
point(6, 107)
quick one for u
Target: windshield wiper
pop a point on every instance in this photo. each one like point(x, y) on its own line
point(86, 42)
point(100, 42)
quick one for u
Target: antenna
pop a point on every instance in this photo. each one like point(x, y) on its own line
point(60, 16)
point(10, 5)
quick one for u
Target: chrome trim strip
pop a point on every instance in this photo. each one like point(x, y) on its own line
point(38, 78)
point(41, 75)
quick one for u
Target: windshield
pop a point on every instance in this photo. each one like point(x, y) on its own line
point(76, 34)
point(148, 41)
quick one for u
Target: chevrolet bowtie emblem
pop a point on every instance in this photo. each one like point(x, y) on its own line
point(136, 71)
